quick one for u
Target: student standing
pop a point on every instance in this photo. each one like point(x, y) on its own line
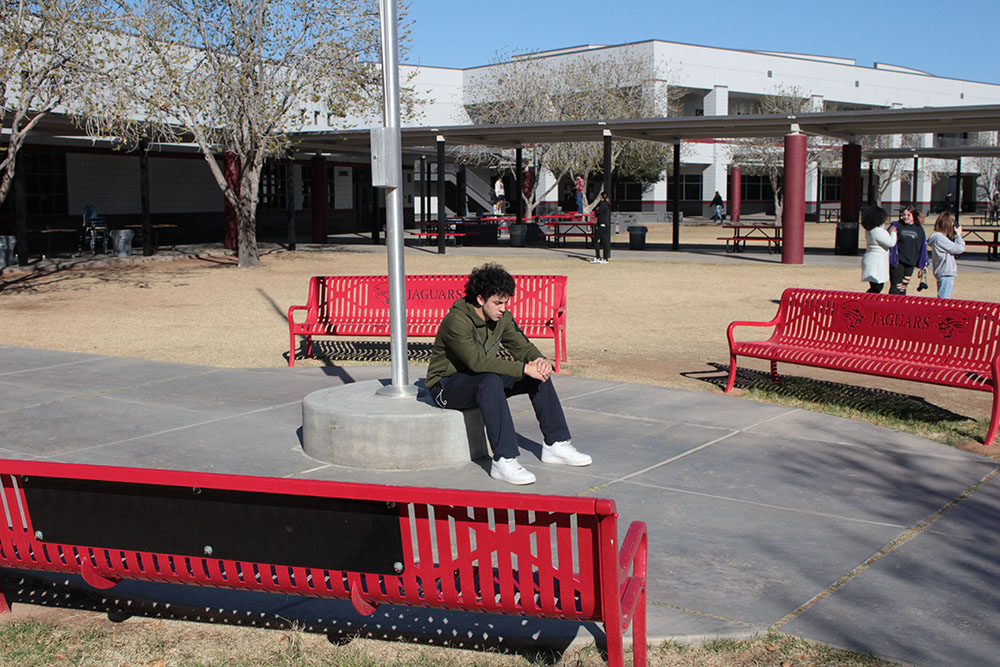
point(581, 187)
point(945, 243)
point(878, 241)
point(498, 191)
point(602, 231)
point(717, 205)
point(910, 251)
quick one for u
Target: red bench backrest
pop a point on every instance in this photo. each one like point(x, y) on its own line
point(365, 299)
point(890, 325)
point(498, 551)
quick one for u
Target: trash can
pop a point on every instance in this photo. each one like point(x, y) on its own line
point(7, 244)
point(122, 240)
point(518, 234)
point(637, 237)
point(847, 238)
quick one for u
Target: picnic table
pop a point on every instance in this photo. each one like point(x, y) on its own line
point(984, 235)
point(740, 235)
point(568, 225)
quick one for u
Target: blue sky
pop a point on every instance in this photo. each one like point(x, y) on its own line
point(957, 40)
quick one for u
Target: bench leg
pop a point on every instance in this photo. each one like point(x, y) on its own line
point(732, 373)
point(4, 605)
point(991, 432)
point(291, 350)
point(774, 371)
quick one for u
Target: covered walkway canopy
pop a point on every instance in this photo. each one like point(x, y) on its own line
point(848, 126)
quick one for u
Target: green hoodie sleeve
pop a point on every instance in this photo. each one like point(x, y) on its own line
point(466, 351)
point(516, 342)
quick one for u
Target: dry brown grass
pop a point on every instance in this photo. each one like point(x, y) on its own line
point(654, 318)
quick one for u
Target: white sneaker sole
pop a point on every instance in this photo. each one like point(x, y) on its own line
point(549, 458)
point(517, 482)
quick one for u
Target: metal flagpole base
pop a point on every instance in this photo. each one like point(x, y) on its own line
point(397, 391)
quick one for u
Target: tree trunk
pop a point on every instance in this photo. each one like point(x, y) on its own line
point(247, 214)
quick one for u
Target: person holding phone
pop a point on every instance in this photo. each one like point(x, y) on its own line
point(945, 244)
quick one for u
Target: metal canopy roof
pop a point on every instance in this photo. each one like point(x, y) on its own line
point(846, 125)
point(931, 152)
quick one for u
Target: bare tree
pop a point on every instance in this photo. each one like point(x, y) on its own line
point(47, 53)
point(590, 87)
point(988, 182)
point(766, 155)
point(889, 170)
point(236, 78)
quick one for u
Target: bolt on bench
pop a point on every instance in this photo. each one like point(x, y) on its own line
point(939, 341)
point(501, 553)
point(358, 306)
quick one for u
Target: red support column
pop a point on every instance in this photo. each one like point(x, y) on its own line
point(850, 188)
point(793, 214)
point(846, 242)
point(319, 198)
point(231, 170)
point(735, 194)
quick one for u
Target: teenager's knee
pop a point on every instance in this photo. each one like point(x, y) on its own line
point(490, 388)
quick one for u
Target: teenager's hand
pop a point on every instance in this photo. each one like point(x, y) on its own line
point(540, 369)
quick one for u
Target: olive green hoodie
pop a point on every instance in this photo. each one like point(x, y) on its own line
point(466, 342)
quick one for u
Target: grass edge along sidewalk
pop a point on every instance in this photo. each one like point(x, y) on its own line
point(92, 640)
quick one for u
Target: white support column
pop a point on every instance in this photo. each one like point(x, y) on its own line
point(812, 174)
point(816, 103)
point(550, 200)
point(657, 196)
point(715, 176)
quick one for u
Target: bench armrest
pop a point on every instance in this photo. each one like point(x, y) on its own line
point(732, 325)
point(293, 309)
point(632, 560)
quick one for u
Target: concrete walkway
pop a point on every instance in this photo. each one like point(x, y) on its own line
point(759, 515)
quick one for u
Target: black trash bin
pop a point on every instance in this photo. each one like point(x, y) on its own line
point(481, 233)
point(637, 237)
point(518, 234)
point(847, 238)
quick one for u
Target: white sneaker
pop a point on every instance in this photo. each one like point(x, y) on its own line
point(564, 452)
point(595, 260)
point(512, 472)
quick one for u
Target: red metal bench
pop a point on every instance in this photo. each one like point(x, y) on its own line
point(493, 552)
point(939, 341)
point(359, 306)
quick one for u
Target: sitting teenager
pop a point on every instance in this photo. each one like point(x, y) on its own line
point(466, 371)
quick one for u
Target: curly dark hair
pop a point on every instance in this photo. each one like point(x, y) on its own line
point(872, 217)
point(488, 280)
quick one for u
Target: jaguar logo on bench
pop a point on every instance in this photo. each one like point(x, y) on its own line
point(927, 324)
point(418, 295)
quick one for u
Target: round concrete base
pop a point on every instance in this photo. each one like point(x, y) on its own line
point(351, 426)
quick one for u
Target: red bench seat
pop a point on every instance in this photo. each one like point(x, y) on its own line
point(938, 341)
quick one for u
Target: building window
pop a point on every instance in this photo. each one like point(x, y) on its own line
point(691, 187)
point(756, 187)
point(45, 183)
point(307, 186)
point(831, 188)
point(628, 196)
point(273, 186)
point(951, 139)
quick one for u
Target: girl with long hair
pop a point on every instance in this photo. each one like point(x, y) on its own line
point(945, 244)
